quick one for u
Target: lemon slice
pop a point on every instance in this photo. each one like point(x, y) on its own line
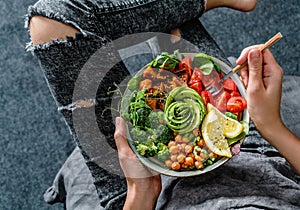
point(213, 135)
point(231, 128)
point(216, 127)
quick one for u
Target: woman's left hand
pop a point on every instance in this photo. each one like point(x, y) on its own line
point(143, 185)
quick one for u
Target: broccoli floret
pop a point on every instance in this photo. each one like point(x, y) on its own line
point(146, 149)
point(137, 134)
point(164, 134)
point(163, 152)
point(140, 135)
point(142, 119)
point(155, 119)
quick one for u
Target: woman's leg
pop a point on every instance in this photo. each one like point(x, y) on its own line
point(241, 5)
point(44, 30)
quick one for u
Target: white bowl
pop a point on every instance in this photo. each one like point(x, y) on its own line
point(159, 166)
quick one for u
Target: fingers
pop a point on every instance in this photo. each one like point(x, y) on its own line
point(272, 64)
point(131, 165)
point(272, 75)
point(244, 76)
point(268, 59)
point(255, 63)
point(120, 135)
point(242, 59)
point(244, 54)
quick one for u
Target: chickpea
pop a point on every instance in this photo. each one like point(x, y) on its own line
point(171, 143)
point(185, 140)
point(173, 158)
point(179, 148)
point(181, 158)
point(184, 165)
point(202, 155)
point(188, 149)
point(201, 143)
point(175, 166)
point(168, 163)
point(196, 132)
point(198, 158)
point(198, 164)
point(189, 161)
point(191, 155)
point(173, 149)
point(178, 138)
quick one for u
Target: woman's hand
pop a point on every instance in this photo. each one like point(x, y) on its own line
point(263, 79)
point(143, 185)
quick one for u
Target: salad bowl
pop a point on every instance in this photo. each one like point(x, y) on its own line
point(155, 163)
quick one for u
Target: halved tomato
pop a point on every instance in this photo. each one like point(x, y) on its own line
point(186, 64)
point(221, 101)
point(196, 76)
point(229, 85)
point(207, 97)
point(197, 86)
point(236, 104)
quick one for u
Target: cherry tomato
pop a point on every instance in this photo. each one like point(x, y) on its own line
point(197, 86)
point(196, 76)
point(236, 104)
point(207, 97)
point(228, 84)
point(186, 64)
point(220, 75)
point(221, 101)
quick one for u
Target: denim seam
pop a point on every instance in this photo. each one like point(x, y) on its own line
point(129, 4)
point(108, 7)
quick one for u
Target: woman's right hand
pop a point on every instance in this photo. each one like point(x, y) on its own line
point(263, 79)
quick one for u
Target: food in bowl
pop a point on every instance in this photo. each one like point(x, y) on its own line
point(175, 122)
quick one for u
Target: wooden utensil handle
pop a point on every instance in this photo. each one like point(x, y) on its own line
point(268, 44)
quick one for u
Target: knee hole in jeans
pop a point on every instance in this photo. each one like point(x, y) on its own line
point(44, 30)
